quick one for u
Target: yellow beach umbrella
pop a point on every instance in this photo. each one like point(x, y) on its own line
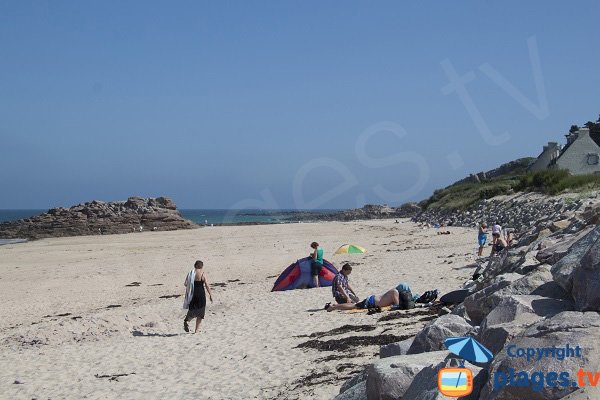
point(350, 249)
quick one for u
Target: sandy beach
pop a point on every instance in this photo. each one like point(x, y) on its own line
point(101, 317)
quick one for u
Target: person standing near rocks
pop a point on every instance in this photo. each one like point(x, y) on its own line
point(317, 262)
point(482, 238)
point(195, 296)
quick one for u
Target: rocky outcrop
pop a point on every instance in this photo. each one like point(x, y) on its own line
point(573, 328)
point(522, 212)
point(563, 270)
point(369, 211)
point(98, 217)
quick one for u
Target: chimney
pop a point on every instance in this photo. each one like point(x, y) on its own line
point(583, 132)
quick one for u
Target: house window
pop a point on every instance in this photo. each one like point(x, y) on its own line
point(592, 159)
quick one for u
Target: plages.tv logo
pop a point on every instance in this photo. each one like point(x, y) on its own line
point(458, 382)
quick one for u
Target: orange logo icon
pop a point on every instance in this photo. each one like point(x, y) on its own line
point(455, 382)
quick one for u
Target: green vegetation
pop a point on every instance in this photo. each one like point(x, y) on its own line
point(465, 193)
point(554, 181)
point(462, 195)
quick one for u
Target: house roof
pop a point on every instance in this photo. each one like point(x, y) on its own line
point(595, 137)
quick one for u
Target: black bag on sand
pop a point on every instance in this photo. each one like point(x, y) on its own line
point(428, 296)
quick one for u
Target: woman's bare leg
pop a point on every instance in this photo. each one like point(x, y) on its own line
point(198, 322)
point(345, 306)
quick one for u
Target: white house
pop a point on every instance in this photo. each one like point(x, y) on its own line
point(549, 154)
point(581, 155)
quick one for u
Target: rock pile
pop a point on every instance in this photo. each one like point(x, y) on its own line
point(369, 211)
point(544, 292)
point(521, 212)
point(98, 217)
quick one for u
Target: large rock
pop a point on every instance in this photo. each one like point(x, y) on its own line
point(396, 349)
point(538, 282)
point(356, 392)
point(559, 225)
point(431, 337)
point(389, 378)
point(355, 380)
point(586, 280)
point(569, 327)
point(100, 218)
point(424, 385)
point(513, 314)
point(512, 306)
point(552, 254)
point(562, 271)
point(480, 303)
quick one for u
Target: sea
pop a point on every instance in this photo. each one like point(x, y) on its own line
point(200, 216)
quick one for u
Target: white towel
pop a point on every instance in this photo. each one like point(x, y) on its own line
point(189, 288)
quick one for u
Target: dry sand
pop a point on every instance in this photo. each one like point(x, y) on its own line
point(73, 326)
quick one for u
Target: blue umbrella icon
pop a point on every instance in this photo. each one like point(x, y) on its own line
point(469, 349)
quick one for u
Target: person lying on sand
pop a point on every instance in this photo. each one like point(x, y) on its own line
point(340, 287)
point(389, 298)
point(195, 297)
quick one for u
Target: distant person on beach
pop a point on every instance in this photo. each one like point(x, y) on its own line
point(389, 298)
point(195, 296)
point(499, 243)
point(496, 229)
point(317, 262)
point(509, 235)
point(340, 287)
point(482, 238)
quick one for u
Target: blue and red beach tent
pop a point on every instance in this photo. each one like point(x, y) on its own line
point(298, 275)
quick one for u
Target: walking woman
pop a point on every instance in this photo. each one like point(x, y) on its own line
point(195, 296)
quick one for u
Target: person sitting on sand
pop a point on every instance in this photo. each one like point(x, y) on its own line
point(499, 244)
point(509, 235)
point(195, 297)
point(340, 287)
point(482, 238)
point(317, 263)
point(389, 298)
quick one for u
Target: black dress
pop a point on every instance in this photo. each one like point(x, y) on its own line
point(198, 304)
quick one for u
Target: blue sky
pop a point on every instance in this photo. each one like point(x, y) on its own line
point(256, 103)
